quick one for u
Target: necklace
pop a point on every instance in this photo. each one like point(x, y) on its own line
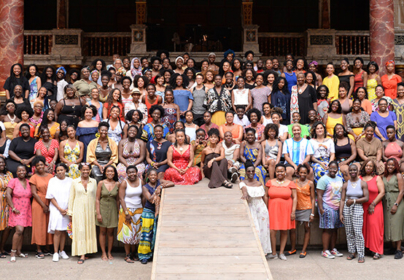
point(280, 182)
point(11, 119)
point(354, 184)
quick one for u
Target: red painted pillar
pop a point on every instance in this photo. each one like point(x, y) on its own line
point(381, 31)
point(11, 36)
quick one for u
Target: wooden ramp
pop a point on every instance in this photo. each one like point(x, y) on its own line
point(207, 234)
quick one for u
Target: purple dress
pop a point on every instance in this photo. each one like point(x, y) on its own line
point(260, 96)
point(382, 123)
point(170, 117)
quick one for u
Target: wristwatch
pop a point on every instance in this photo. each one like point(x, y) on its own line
point(126, 212)
point(396, 204)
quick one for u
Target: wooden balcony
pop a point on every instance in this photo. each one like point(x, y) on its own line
point(106, 44)
point(281, 44)
point(352, 42)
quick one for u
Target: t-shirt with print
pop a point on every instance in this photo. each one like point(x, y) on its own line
point(332, 188)
point(297, 150)
point(324, 149)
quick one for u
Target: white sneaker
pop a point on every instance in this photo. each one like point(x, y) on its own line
point(282, 257)
point(63, 255)
point(55, 257)
point(272, 257)
point(327, 254)
point(335, 252)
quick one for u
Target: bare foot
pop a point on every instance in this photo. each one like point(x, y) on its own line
point(104, 257)
point(110, 257)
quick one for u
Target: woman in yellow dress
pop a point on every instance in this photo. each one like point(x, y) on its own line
point(9, 118)
point(82, 214)
point(71, 152)
point(49, 122)
point(334, 117)
point(373, 80)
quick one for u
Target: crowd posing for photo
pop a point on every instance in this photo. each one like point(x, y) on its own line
point(95, 147)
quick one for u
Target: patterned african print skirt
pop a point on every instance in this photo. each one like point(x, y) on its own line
point(148, 234)
point(129, 233)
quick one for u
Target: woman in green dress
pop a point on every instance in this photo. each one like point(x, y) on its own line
point(106, 205)
point(393, 207)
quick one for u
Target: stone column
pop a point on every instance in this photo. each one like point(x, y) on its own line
point(381, 31)
point(11, 37)
point(62, 14)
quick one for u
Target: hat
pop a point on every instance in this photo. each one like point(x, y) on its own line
point(136, 91)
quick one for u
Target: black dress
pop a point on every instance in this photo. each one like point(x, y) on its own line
point(158, 153)
point(346, 79)
point(305, 101)
point(22, 81)
point(52, 90)
point(23, 149)
point(217, 173)
point(70, 114)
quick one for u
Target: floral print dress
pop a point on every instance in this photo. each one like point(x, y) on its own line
point(72, 155)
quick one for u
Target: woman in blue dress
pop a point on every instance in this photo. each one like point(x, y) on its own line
point(157, 112)
point(87, 128)
point(182, 97)
point(252, 151)
point(280, 98)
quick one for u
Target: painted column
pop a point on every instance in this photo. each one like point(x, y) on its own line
point(11, 37)
point(381, 31)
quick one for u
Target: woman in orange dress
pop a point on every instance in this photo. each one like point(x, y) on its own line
point(282, 204)
point(40, 207)
point(235, 129)
point(390, 80)
point(151, 99)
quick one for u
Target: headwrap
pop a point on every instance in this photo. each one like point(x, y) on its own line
point(315, 63)
point(179, 57)
point(390, 62)
point(61, 68)
point(212, 53)
point(229, 51)
point(135, 71)
point(94, 71)
point(85, 68)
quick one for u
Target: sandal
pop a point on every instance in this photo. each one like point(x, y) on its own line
point(80, 261)
point(376, 256)
point(38, 255)
point(128, 259)
point(302, 255)
point(350, 257)
point(289, 253)
point(361, 259)
point(227, 185)
point(21, 255)
point(134, 257)
point(13, 259)
point(3, 256)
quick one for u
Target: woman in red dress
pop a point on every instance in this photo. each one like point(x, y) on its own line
point(373, 222)
point(282, 204)
point(180, 157)
point(47, 148)
point(390, 80)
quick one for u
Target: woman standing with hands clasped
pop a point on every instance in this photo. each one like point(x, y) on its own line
point(106, 205)
point(354, 194)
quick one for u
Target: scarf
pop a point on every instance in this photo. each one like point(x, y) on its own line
point(135, 71)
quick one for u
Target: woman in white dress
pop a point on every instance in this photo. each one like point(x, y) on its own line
point(254, 193)
point(58, 193)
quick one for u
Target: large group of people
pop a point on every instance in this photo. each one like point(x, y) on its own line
point(95, 148)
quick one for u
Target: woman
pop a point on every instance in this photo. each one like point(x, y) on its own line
point(356, 120)
point(135, 68)
point(231, 153)
point(323, 103)
point(347, 76)
point(63, 131)
point(38, 113)
point(304, 209)
point(179, 63)
point(360, 75)
point(126, 91)
point(105, 89)
point(191, 74)
point(237, 67)
point(41, 100)
point(313, 67)
point(136, 105)
point(282, 200)
point(9, 118)
point(373, 225)
point(380, 95)
point(69, 108)
point(40, 207)
point(71, 152)
point(252, 151)
point(398, 104)
point(393, 209)
point(207, 117)
point(180, 157)
point(19, 201)
point(257, 198)
point(106, 202)
point(362, 95)
point(16, 78)
point(303, 99)
point(49, 122)
point(373, 79)
point(47, 148)
point(141, 82)
point(116, 126)
point(157, 112)
point(114, 100)
point(289, 75)
point(266, 116)
point(334, 117)
point(24, 113)
point(370, 147)
point(179, 125)
point(151, 98)
point(21, 150)
point(129, 223)
point(87, 128)
point(190, 126)
point(254, 116)
point(323, 150)
point(331, 82)
point(48, 80)
point(171, 110)
point(392, 147)
point(81, 210)
point(329, 189)
point(241, 95)
point(131, 151)
point(214, 163)
point(272, 148)
point(74, 75)
point(271, 76)
point(383, 117)
point(260, 94)
point(351, 213)
point(182, 97)
point(151, 192)
point(19, 98)
point(346, 103)
point(85, 85)
point(345, 150)
point(209, 79)
point(95, 94)
point(218, 101)
point(282, 129)
point(235, 129)
point(157, 150)
point(101, 151)
point(5, 177)
point(160, 87)
point(133, 117)
point(280, 97)
point(58, 193)
point(199, 95)
point(33, 80)
point(390, 80)
point(311, 79)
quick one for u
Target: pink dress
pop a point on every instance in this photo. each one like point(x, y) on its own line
point(22, 203)
point(191, 177)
